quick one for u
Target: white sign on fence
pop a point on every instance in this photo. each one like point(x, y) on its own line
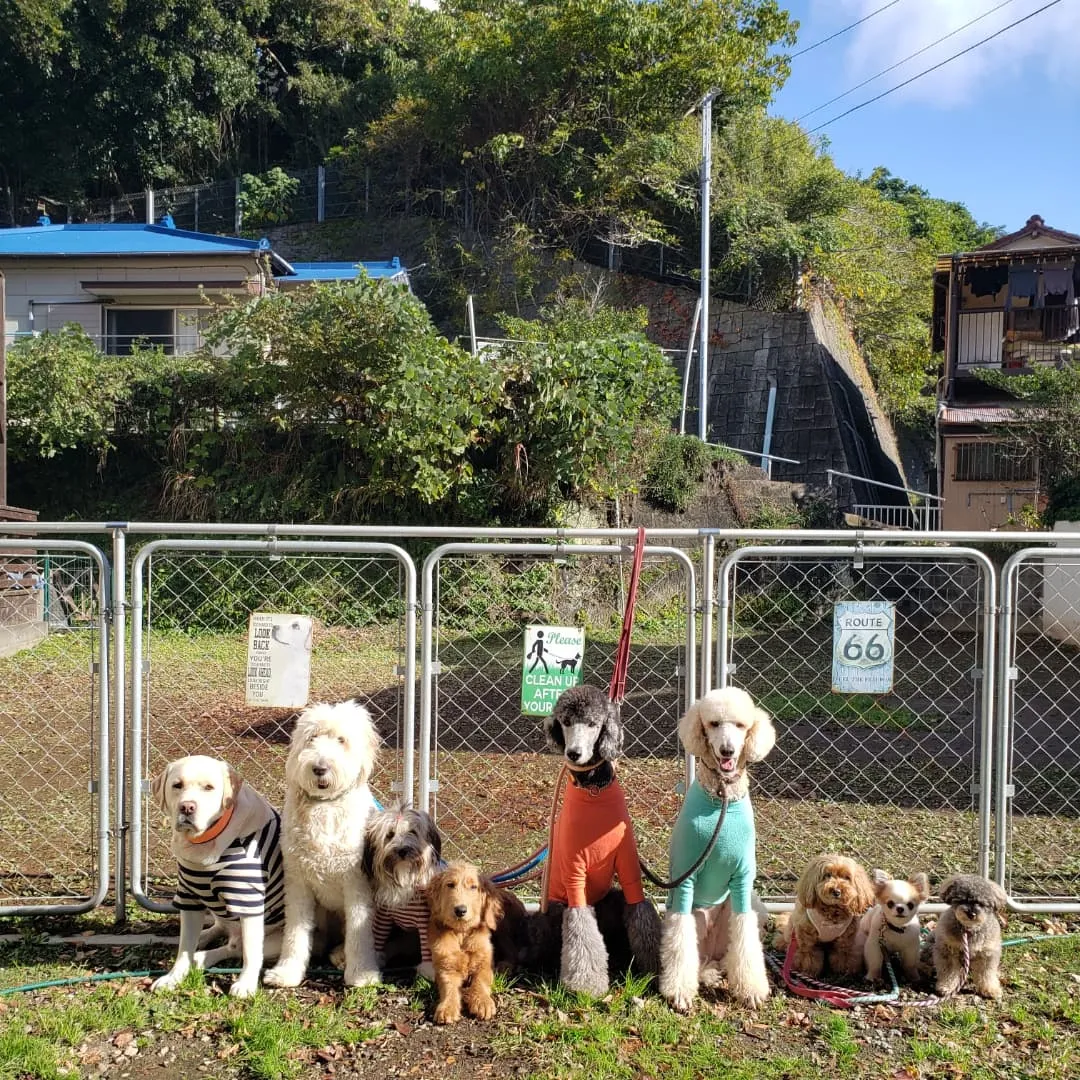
point(863, 636)
point(279, 660)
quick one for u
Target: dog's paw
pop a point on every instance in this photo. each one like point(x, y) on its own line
point(482, 1006)
point(751, 996)
point(426, 971)
point(682, 1001)
point(596, 985)
point(284, 975)
point(447, 1012)
point(337, 957)
point(167, 982)
point(243, 988)
point(989, 988)
point(711, 975)
point(362, 978)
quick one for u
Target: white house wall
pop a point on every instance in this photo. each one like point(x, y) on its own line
point(57, 284)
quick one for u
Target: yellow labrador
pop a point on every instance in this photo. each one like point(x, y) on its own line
point(226, 840)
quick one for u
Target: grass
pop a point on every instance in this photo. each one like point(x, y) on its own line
point(542, 1031)
point(859, 709)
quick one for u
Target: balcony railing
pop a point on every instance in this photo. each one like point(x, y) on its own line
point(124, 344)
point(1017, 339)
point(918, 518)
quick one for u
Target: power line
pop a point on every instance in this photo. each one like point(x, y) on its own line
point(845, 29)
point(907, 82)
point(900, 63)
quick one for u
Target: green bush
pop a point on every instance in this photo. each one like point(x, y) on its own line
point(677, 470)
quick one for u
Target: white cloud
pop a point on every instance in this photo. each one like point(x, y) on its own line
point(1044, 47)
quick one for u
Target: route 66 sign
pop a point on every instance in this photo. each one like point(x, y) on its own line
point(863, 638)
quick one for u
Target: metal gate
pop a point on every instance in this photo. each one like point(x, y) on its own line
point(54, 753)
point(483, 770)
point(191, 600)
point(901, 780)
point(1037, 795)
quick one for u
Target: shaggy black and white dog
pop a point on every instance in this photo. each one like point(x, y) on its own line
point(590, 924)
point(402, 853)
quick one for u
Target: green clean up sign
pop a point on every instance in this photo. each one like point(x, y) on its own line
point(552, 663)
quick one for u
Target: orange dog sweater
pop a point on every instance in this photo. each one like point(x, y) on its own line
point(592, 844)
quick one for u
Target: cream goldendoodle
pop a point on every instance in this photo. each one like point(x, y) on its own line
point(327, 805)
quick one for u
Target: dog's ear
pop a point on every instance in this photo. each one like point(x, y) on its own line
point(609, 745)
point(947, 895)
point(761, 738)
point(367, 860)
point(554, 733)
point(158, 788)
point(806, 889)
point(865, 896)
point(1001, 899)
point(493, 906)
point(230, 785)
point(691, 734)
point(879, 879)
point(921, 884)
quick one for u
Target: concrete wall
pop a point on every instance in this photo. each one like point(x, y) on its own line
point(827, 413)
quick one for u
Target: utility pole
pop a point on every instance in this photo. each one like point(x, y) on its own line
point(705, 105)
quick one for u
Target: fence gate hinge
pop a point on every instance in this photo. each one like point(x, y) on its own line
point(680, 788)
point(857, 557)
point(679, 671)
point(95, 667)
point(1010, 791)
point(92, 787)
point(433, 785)
point(399, 671)
point(146, 667)
point(976, 673)
point(436, 667)
point(396, 785)
point(144, 786)
point(1013, 674)
point(732, 669)
point(976, 787)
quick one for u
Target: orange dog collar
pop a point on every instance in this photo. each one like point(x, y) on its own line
point(219, 826)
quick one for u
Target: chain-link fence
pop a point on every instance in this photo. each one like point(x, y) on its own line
point(54, 747)
point(895, 778)
point(902, 776)
point(191, 605)
point(489, 776)
point(1038, 810)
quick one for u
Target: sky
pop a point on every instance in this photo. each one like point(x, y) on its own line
point(997, 129)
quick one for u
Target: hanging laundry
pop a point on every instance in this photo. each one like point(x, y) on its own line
point(1057, 286)
point(1023, 284)
point(986, 280)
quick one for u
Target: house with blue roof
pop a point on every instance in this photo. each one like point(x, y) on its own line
point(125, 283)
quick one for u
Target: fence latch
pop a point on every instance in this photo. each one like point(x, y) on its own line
point(857, 556)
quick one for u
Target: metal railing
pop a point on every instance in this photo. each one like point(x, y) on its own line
point(891, 516)
point(969, 755)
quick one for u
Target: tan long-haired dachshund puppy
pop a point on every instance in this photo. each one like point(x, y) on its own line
point(465, 909)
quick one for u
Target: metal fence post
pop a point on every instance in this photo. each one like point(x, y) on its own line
point(119, 677)
point(238, 210)
point(320, 193)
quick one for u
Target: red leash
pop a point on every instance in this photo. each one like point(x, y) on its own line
point(617, 689)
point(805, 986)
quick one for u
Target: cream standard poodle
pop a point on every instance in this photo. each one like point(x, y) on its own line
point(713, 921)
point(327, 805)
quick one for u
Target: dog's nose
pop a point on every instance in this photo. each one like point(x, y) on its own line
point(835, 892)
point(573, 755)
point(727, 750)
point(403, 852)
point(461, 911)
point(187, 808)
point(320, 769)
point(900, 909)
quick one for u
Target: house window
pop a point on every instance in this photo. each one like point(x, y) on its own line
point(996, 461)
point(125, 327)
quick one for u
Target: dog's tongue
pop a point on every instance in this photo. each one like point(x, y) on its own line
point(727, 764)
